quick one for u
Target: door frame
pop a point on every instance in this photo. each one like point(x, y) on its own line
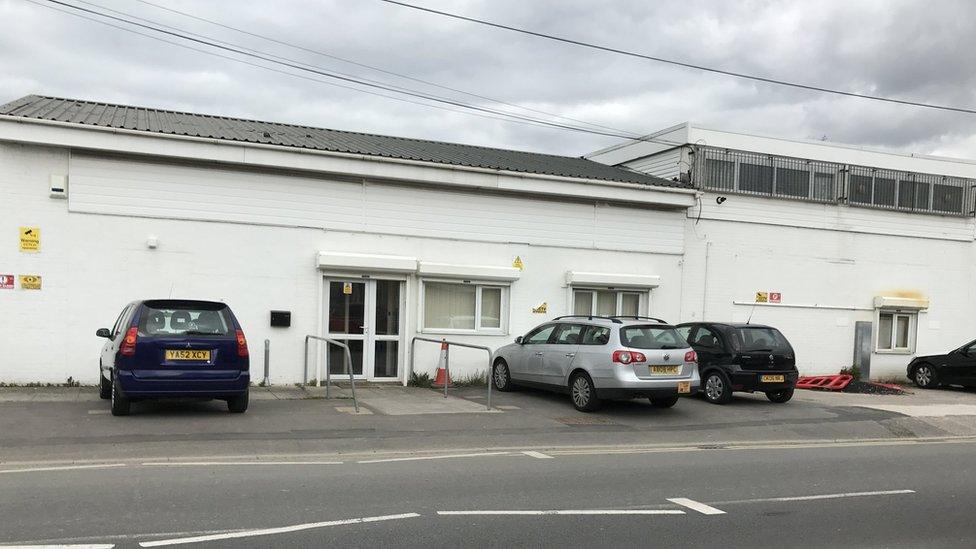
point(369, 337)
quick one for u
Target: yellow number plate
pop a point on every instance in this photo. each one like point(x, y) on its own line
point(684, 387)
point(186, 354)
point(665, 370)
point(772, 379)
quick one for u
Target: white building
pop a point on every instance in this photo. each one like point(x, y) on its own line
point(374, 239)
point(369, 239)
point(834, 234)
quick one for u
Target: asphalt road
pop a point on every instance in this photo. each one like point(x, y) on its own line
point(908, 494)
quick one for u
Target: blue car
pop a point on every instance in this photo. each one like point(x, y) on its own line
point(174, 348)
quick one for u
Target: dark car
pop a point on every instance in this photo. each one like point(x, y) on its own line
point(957, 367)
point(174, 348)
point(742, 357)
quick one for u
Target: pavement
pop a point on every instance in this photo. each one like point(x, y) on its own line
point(413, 468)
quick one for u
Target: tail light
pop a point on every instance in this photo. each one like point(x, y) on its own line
point(241, 344)
point(626, 357)
point(129, 342)
point(691, 356)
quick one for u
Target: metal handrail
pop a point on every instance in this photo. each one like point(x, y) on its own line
point(328, 377)
point(447, 362)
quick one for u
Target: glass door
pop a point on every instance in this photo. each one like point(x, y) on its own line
point(366, 315)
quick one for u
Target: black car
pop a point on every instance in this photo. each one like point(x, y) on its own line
point(957, 367)
point(742, 357)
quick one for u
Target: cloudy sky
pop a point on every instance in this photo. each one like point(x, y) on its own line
point(920, 51)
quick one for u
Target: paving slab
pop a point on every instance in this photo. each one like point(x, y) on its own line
point(402, 401)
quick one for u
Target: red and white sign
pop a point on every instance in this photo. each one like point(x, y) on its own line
point(6, 282)
point(775, 297)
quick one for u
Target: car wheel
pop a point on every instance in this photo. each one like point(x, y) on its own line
point(501, 378)
point(238, 404)
point(781, 396)
point(120, 404)
point(718, 388)
point(664, 402)
point(583, 393)
point(924, 376)
point(104, 386)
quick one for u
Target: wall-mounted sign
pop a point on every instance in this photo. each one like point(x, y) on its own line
point(30, 282)
point(518, 263)
point(6, 282)
point(347, 288)
point(541, 309)
point(775, 297)
point(762, 297)
point(30, 239)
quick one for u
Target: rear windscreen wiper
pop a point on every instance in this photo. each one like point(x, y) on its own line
point(199, 333)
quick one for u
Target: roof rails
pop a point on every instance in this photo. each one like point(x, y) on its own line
point(613, 319)
point(642, 318)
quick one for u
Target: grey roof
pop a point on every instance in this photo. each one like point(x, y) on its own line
point(108, 115)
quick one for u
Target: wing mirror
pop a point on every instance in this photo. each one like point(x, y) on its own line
point(518, 340)
point(104, 332)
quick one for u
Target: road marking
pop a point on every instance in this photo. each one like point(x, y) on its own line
point(824, 496)
point(508, 407)
point(697, 506)
point(208, 463)
point(420, 458)
point(272, 531)
point(97, 412)
point(538, 455)
point(567, 512)
point(77, 546)
point(64, 468)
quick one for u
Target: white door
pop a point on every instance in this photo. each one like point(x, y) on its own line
point(366, 316)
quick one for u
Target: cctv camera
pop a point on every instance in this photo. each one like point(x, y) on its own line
point(720, 199)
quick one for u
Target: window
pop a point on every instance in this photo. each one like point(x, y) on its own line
point(754, 339)
point(463, 307)
point(947, 198)
point(793, 182)
point(539, 335)
point(651, 337)
point(860, 191)
point(606, 303)
point(706, 338)
point(755, 178)
point(896, 331)
point(172, 318)
point(684, 331)
point(823, 186)
point(596, 335)
point(568, 334)
point(720, 174)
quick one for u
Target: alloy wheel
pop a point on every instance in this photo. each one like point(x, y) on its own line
point(501, 375)
point(923, 376)
point(581, 392)
point(714, 387)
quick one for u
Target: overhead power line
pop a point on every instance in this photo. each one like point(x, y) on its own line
point(332, 75)
point(681, 63)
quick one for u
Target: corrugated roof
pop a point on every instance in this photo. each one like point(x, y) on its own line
point(109, 115)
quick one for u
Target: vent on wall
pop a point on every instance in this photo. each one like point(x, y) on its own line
point(59, 186)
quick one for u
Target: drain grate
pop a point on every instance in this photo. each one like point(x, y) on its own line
point(585, 420)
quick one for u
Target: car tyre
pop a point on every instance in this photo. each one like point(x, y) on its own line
point(583, 393)
point(781, 396)
point(104, 386)
point(121, 405)
point(717, 388)
point(924, 376)
point(501, 377)
point(664, 402)
point(238, 404)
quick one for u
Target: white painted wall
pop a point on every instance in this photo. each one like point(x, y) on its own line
point(260, 255)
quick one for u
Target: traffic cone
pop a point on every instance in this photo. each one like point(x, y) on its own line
point(442, 374)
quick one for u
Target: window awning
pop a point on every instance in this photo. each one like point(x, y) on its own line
point(341, 261)
point(612, 280)
point(915, 304)
point(469, 272)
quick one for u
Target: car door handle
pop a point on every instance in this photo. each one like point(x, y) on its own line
point(570, 355)
point(538, 353)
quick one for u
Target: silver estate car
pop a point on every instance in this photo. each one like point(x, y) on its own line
point(596, 358)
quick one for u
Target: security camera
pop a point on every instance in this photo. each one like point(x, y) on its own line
point(720, 199)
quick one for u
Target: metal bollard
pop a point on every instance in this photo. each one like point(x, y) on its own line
point(267, 361)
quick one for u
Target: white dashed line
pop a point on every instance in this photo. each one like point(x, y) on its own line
point(697, 506)
point(63, 468)
point(422, 458)
point(824, 496)
point(81, 546)
point(272, 531)
point(538, 455)
point(566, 512)
point(231, 463)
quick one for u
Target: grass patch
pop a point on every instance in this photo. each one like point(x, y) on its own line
point(420, 380)
point(475, 379)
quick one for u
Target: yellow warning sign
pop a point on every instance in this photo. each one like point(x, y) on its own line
point(30, 282)
point(30, 239)
point(347, 288)
point(541, 308)
point(518, 263)
point(762, 297)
